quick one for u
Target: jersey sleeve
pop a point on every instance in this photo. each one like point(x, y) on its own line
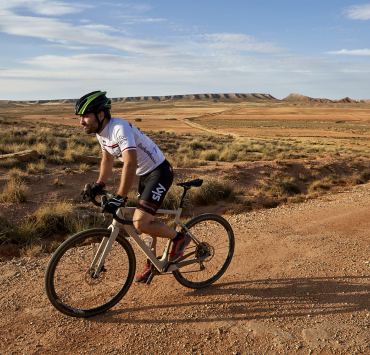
point(100, 142)
point(124, 136)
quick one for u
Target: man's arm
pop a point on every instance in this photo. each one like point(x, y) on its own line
point(128, 171)
point(106, 166)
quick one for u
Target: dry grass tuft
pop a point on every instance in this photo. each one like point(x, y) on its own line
point(14, 191)
point(33, 250)
point(17, 174)
point(211, 192)
point(36, 168)
point(83, 168)
point(9, 163)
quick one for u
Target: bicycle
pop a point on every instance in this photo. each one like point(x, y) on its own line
point(92, 270)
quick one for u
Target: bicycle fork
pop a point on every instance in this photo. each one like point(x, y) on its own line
point(104, 248)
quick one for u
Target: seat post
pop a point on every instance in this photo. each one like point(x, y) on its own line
point(183, 196)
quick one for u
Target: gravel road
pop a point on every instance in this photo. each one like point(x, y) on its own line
point(299, 283)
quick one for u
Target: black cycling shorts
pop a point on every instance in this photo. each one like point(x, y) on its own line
point(154, 186)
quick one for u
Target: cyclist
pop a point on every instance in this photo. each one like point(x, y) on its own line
point(141, 156)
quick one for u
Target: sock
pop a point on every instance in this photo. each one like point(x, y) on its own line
point(177, 237)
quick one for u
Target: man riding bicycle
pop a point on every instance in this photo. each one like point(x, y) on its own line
point(140, 156)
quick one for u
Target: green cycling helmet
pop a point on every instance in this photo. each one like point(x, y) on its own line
point(95, 101)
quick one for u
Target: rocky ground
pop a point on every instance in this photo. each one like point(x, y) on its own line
point(299, 283)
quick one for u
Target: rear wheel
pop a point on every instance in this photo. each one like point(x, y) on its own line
point(71, 284)
point(214, 252)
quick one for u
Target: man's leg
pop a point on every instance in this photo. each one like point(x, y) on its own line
point(145, 222)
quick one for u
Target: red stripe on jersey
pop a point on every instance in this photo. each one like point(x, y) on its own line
point(128, 148)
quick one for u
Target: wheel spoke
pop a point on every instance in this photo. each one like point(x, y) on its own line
point(216, 248)
point(70, 283)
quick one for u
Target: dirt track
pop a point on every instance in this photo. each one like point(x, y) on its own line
point(299, 283)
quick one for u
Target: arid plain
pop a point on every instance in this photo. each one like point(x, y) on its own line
point(294, 177)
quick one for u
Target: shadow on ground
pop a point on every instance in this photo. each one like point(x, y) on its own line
point(254, 299)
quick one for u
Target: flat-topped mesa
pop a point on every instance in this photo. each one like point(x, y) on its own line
point(200, 97)
point(238, 97)
point(298, 98)
point(213, 97)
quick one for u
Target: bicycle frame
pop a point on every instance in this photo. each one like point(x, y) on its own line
point(163, 264)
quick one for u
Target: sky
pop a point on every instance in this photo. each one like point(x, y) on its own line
point(58, 49)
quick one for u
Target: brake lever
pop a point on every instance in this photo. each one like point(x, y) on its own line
point(103, 201)
point(86, 192)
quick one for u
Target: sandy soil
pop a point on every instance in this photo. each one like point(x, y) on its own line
point(298, 283)
point(175, 117)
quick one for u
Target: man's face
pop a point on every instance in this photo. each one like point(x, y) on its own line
point(89, 122)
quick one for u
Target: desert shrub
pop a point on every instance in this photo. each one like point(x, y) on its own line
point(210, 155)
point(363, 177)
point(44, 134)
point(32, 250)
point(9, 163)
point(15, 147)
point(83, 168)
point(287, 186)
point(35, 168)
point(228, 154)
point(62, 144)
point(184, 162)
point(210, 192)
point(277, 189)
point(196, 145)
point(69, 155)
point(14, 191)
point(172, 199)
point(42, 148)
point(54, 159)
point(17, 174)
point(320, 185)
point(46, 221)
point(6, 230)
point(56, 219)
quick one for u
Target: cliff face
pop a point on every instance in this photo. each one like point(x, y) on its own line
point(193, 97)
point(213, 97)
point(225, 97)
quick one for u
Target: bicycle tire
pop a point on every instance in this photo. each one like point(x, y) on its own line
point(206, 227)
point(72, 251)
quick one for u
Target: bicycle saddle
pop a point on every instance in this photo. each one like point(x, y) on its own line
point(196, 183)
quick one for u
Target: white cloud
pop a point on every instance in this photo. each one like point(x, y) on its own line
point(145, 75)
point(134, 20)
point(358, 12)
point(55, 30)
point(238, 42)
point(43, 7)
point(129, 7)
point(352, 52)
point(213, 62)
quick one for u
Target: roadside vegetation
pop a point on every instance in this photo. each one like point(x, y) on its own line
point(286, 170)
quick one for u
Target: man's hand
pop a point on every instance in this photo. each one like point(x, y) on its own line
point(96, 189)
point(114, 203)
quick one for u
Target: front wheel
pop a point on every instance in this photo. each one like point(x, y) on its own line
point(214, 252)
point(70, 282)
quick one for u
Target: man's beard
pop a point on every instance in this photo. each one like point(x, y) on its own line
point(90, 130)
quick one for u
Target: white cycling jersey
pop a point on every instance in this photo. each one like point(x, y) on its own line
point(119, 135)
